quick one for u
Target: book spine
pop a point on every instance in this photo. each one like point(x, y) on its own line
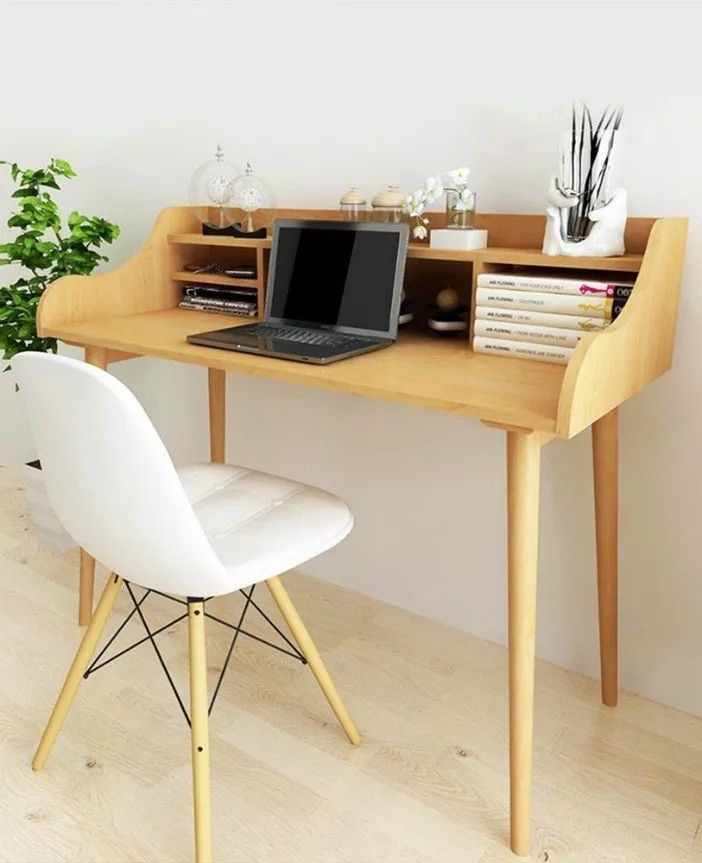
point(525, 350)
point(622, 292)
point(591, 307)
point(540, 319)
point(240, 294)
point(241, 313)
point(617, 308)
point(528, 333)
point(551, 285)
point(215, 303)
point(219, 298)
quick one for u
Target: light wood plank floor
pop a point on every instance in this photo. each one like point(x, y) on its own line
point(429, 782)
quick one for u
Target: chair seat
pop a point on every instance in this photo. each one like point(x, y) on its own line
point(261, 525)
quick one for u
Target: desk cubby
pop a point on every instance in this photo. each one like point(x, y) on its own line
point(606, 368)
point(226, 252)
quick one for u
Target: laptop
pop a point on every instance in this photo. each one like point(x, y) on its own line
point(334, 291)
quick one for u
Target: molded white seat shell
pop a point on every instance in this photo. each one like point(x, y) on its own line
point(260, 525)
point(205, 531)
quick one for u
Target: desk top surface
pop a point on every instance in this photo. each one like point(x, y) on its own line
point(421, 370)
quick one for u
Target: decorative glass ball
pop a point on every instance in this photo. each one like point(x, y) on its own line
point(218, 190)
point(252, 201)
point(211, 191)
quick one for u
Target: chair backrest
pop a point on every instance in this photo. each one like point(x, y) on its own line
point(110, 479)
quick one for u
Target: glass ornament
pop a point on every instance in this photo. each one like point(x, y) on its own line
point(252, 202)
point(211, 191)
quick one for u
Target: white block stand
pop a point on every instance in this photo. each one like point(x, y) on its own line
point(458, 239)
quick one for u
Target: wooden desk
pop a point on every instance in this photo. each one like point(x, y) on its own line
point(132, 311)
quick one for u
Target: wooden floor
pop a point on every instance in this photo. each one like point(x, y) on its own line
point(428, 783)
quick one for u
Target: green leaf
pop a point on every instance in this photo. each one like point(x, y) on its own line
point(61, 166)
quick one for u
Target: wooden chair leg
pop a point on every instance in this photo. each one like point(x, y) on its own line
point(523, 466)
point(605, 440)
point(199, 732)
point(75, 674)
point(309, 651)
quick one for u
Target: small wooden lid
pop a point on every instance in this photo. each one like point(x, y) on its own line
point(354, 196)
point(391, 198)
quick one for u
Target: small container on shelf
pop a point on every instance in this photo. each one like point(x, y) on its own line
point(352, 205)
point(388, 205)
point(460, 209)
point(449, 316)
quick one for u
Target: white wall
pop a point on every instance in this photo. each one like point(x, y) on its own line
point(323, 95)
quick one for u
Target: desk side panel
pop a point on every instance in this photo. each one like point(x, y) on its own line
point(142, 284)
point(610, 367)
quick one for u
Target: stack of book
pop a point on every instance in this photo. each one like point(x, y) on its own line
point(213, 298)
point(542, 317)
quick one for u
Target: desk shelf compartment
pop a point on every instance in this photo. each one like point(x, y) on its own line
point(561, 310)
point(132, 311)
point(223, 256)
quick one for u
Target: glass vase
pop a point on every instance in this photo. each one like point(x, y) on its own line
point(460, 209)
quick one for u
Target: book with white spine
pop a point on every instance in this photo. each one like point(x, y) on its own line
point(540, 319)
point(525, 350)
point(553, 285)
point(563, 304)
point(528, 333)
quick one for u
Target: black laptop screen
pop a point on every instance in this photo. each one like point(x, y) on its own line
point(337, 277)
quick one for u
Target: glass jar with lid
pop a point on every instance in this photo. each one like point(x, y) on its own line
point(388, 205)
point(352, 205)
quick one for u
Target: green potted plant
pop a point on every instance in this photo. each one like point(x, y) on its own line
point(41, 250)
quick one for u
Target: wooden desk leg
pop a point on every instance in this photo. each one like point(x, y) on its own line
point(605, 442)
point(523, 464)
point(96, 357)
point(216, 385)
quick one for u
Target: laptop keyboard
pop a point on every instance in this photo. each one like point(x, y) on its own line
point(309, 337)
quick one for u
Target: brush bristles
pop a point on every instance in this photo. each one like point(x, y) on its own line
point(589, 166)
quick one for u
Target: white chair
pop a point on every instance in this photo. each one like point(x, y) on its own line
point(200, 532)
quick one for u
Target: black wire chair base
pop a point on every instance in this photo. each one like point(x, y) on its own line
point(237, 628)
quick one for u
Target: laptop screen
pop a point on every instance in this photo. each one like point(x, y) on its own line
point(341, 275)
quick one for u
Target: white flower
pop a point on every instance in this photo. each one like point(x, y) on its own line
point(433, 187)
point(414, 204)
point(419, 232)
point(466, 195)
point(459, 176)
